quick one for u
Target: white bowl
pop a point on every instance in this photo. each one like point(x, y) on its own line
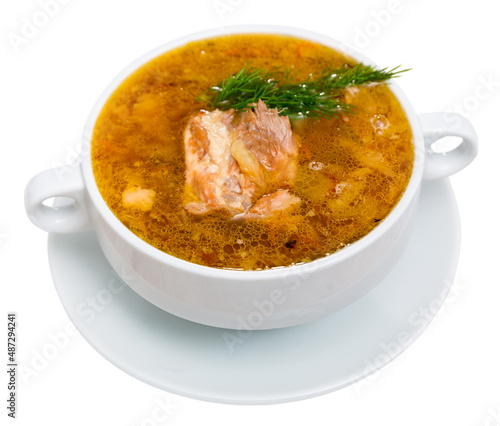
point(247, 300)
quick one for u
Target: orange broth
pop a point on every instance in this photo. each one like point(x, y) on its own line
point(351, 173)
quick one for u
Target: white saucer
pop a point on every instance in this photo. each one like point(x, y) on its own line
point(268, 366)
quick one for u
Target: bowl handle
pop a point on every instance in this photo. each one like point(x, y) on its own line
point(69, 216)
point(437, 125)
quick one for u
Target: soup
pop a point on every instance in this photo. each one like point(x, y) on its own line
point(341, 175)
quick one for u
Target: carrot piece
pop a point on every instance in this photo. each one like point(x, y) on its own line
point(304, 47)
point(307, 151)
point(232, 52)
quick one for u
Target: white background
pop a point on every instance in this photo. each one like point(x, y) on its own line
point(48, 84)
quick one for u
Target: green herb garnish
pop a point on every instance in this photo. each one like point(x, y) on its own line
point(320, 96)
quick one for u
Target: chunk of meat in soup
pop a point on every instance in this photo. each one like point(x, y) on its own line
point(272, 205)
point(232, 160)
point(212, 174)
point(268, 137)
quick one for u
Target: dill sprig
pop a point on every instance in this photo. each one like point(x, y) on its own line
point(320, 96)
